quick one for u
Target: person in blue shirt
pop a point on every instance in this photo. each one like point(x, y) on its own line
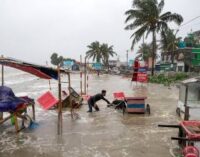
point(93, 99)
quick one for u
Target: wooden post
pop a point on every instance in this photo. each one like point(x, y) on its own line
point(81, 83)
point(2, 75)
point(85, 71)
point(87, 83)
point(60, 104)
point(2, 83)
point(186, 115)
point(49, 79)
point(33, 109)
point(70, 100)
point(16, 123)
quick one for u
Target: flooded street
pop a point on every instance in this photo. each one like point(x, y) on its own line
point(99, 134)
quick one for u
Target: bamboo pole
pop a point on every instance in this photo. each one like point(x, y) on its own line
point(85, 79)
point(60, 104)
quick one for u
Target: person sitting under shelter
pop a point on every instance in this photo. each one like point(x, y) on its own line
point(93, 99)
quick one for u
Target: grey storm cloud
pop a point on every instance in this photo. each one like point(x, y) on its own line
point(33, 29)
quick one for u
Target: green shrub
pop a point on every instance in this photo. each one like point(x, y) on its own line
point(167, 80)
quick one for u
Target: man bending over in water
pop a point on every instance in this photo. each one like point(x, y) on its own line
point(93, 99)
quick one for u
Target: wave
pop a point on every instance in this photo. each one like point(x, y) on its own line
point(19, 80)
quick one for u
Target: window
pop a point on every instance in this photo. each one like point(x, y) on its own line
point(194, 55)
point(167, 58)
point(180, 68)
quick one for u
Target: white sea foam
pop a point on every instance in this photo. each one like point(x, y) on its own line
point(18, 81)
point(21, 94)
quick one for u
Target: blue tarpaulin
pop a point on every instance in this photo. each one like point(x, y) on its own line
point(8, 100)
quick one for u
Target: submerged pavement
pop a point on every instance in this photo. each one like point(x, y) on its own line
point(100, 134)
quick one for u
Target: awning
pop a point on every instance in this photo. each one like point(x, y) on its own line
point(191, 80)
point(37, 70)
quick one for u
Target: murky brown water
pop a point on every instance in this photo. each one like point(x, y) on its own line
point(100, 134)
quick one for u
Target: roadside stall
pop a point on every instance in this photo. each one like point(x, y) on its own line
point(189, 99)
point(42, 72)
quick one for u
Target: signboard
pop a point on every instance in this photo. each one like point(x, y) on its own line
point(130, 63)
point(165, 67)
point(68, 64)
point(142, 77)
point(97, 66)
point(181, 44)
point(142, 69)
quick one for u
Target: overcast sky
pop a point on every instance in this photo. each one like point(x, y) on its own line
point(32, 30)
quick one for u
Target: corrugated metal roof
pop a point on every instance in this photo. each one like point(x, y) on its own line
point(192, 80)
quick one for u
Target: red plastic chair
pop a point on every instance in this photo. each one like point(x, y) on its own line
point(86, 97)
point(119, 95)
point(47, 100)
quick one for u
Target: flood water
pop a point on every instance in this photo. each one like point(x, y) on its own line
point(99, 134)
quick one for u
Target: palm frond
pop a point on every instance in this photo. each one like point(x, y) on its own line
point(145, 17)
point(177, 18)
point(161, 26)
point(160, 6)
point(137, 35)
point(134, 14)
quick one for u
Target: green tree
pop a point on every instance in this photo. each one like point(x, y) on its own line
point(145, 50)
point(55, 60)
point(94, 51)
point(145, 17)
point(107, 51)
point(100, 52)
point(169, 42)
point(60, 60)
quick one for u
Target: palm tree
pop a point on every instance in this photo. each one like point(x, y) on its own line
point(100, 52)
point(145, 50)
point(94, 51)
point(145, 17)
point(107, 51)
point(169, 42)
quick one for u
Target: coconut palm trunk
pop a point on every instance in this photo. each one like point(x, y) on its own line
point(172, 57)
point(154, 52)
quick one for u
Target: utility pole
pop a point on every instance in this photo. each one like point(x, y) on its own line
point(127, 58)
